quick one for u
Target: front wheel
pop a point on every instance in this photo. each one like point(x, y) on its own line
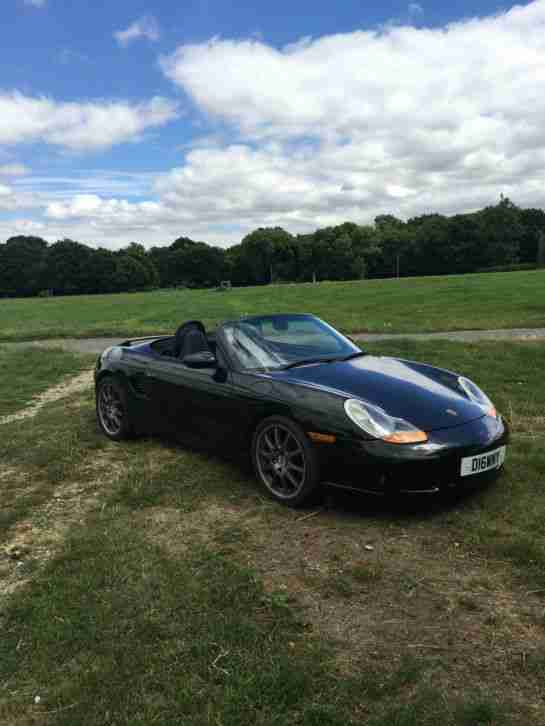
point(112, 409)
point(284, 461)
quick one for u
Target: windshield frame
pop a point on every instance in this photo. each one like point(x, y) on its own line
point(347, 346)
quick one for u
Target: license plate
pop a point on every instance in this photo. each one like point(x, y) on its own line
point(482, 462)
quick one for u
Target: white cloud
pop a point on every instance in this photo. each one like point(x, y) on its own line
point(406, 120)
point(13, 170)
point(464, 83)
point(144, 27)
point(79, 126)
point(7, 200)
point(85, 205)
point(413, 119)
point(36, 3)
point(12, 199)
point(106, 183)
point(26, 226)
point(219, 195)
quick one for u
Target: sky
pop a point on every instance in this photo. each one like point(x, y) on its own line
point(139, 121)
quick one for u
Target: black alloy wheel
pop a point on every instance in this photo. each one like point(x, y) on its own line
point(112, 409)
point(284, 461)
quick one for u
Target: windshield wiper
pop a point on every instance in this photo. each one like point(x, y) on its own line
point(307, 362)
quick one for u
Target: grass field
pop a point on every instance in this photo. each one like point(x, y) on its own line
point(147, 583)
point(499, 300)
point(27, 375)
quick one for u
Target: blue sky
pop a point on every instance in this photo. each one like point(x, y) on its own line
point(136, 121)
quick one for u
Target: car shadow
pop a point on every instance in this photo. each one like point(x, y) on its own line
point(352, 504)
point(345, 503)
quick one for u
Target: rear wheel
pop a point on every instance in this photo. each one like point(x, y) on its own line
point(284, 461)
point(112, 409)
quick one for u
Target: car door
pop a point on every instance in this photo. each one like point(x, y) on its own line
point(209, 405)
point(144, 400)
point(169, 382)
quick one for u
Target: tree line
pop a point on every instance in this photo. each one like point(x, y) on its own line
point(502, 236)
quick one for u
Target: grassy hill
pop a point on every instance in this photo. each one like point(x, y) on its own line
point(418, 304)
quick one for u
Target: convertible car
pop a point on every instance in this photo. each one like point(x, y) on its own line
point(308, 405)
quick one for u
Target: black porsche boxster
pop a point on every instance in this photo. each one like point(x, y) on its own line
point(307, 403)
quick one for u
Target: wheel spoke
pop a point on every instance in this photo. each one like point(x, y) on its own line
point(294, 467)
point(268, 441)
point(282, 484)
point(292, 479)
point(287, 437)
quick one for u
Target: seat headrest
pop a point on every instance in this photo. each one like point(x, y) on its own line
point(198, 335)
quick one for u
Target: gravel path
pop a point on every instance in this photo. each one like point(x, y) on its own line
point(463, 335)
point(97, 345)
point(66, 387)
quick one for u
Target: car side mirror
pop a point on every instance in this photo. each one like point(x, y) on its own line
point(204, 359)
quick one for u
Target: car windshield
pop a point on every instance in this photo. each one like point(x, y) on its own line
point(285, 341)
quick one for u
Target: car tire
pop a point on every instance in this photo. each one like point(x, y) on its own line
point(112, 409)
point(284, 461)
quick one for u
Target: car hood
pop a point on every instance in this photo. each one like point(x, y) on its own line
point(427, 397)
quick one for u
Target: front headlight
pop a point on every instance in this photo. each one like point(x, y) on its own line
point(474, 393)
point(376, 422)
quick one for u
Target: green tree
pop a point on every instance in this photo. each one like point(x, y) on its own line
point(463, 246)
point(22, 266)
point(198, 265)
point(533, 226)
point(540, 256)
point(267, 254)
point(68, 270)
point(138, 251)
point(161, 258)
point(130, 273)
point(102, 271)
point(335, 253)
point(501, 233)
point(395, 240)
point(431, 253)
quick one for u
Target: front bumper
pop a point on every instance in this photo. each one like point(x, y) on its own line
point(383, 468)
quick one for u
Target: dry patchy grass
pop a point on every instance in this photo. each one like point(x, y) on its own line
point(459, 618)
point(425, 616)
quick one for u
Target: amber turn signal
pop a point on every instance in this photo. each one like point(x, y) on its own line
point(406, 437)
point(322, 438)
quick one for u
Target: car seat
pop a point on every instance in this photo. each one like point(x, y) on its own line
point(190, 338)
